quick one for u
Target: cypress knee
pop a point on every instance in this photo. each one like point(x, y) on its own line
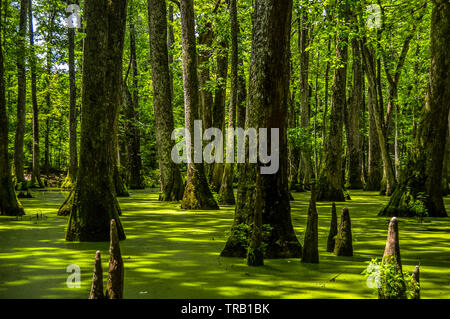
point(311, 244)
point(416, 282)
point(114, 286)
point(97, 279)
point(333, 230)
point(344, 246)
point(392, 250)
point(391, 257)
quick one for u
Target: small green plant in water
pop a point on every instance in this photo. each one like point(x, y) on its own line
point(388, 282)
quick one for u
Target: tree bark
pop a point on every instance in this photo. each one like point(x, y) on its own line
point(92, 203)
point(267, 108)
point(218, 112)
point(171, 182)
point(353, 114)
point(73, 152)
point(36, 171)
point(21, 96)
point(304, 39)
point(421, 181)
point(330, 186)
point(197, 194)
point(134, 138)
point(9, 204)
point(226, 188)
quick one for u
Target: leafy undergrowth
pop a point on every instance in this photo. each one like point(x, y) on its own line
point(170, 253)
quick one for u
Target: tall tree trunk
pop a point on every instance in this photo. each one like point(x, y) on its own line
point(36, 171)
point(197, 194)
point(171, 182)
point(304, 39)
point(9, 204)
point(267, 108)
point(353, 114)
point(21, 96)
point(205, 40)
point(421, 181)
point(330, 186)
point(135, 161)
point(73, 152)
point(372, 68)
point(218, 112)
point(374, 177)
point(226, 188)
point(92, 203)
point(170, 43)
point(242, 96)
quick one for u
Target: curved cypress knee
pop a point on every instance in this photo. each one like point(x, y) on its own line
point(344, 245)
point(114, 285)
point(97, 279)
point(416, 282)
point(333, 230)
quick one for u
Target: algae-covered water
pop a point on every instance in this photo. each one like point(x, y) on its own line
point(171, 253)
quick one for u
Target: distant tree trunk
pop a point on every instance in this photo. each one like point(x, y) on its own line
point(36, 171)
point(374, 169)
point(73, 153)
point(421, 181)
point(372, 69)
point(9, 205)
point(197, 194)
point(92, 203)
point(267, 108)
point(171, 182)
point(21, 95)
point(48, 98)
point(330, 180)
point(135, 161)
point(352, 122)
point(226, 188)
point(170, 43)
point(242, 96)
point(118, 181)
point(218, 112)
point(304, 39)
point(205, 40)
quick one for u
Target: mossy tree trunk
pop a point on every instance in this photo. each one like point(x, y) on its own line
point(267, 107)
point(218, 111)
point(92, 203)
point(21, 96)
point(372, 69)
point(420, 183)
point(9, 205)
point(73, 151)
point(197, 194)
point(171, 181)
point(226, 188)
point(330, 184)
point(304, 41)
point(374, 170)
point(352, 121)
point(134, 136)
